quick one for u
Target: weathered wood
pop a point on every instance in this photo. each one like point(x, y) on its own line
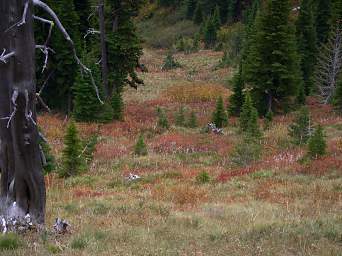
point(20, 156)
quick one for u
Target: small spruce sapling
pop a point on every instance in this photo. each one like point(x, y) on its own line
point(192, 122)
point(317, 144)
point(162, 119)
point(140, 148)
point(301, 129)
point(180, 117)
point(72, 161)
point(249, 119)
point(220, 117)
point(170, 63)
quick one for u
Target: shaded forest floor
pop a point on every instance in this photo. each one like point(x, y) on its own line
point(275, 206)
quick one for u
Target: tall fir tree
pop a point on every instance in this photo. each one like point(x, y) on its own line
point(323, 20)
point(217, 18)
point(220, 118)
point(72, 161)
point(58, 91)
point(210, 32)
point(272, 65)
point(87, 107)
point(306, 40)
point(118, 106)
point(198, 15)
point(190, 8)
point(237, 98)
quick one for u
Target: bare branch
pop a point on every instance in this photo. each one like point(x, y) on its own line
point(23, 18)
point(51, 23)
point(4, 57)
point(46, 8)
point(91, 31)
point(14, 103)
point(45, 50)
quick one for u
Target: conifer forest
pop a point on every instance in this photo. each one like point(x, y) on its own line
point(171, 127)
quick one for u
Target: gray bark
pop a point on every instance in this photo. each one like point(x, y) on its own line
point(19, 149)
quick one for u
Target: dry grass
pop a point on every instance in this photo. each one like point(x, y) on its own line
point(276, 206)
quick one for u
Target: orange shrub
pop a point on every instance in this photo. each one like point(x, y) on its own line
point(189, 92)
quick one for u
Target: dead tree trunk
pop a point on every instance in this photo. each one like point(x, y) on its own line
point(22, 179)
point(20, 155)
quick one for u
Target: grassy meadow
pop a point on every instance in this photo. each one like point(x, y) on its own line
point(192, 199)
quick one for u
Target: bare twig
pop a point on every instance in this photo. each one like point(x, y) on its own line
point(23, 18)
point(45, 50)
point(4, 57)
point(91, 31)
point(14, 103)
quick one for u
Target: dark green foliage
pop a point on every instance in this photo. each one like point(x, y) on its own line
point(190, 8)
point(89, 146)
point(83, 9)
point(192, 122)
point(117, 106)
point(237, 98)
point(58, 92)
point(268, 119)
point(301, 97)
point(87, 107)
point(306, 38)
point(220, 117)
point(301, 130)
point(249, 119)
point(272, 64)
point(9, 242)
point(162, 123)
point(203, 177)
point(210, 32)
point(49, 164)
point(170, 62)
point(216, 18)
point(72, 161)
point(140, 148)
point(338, 96)
point(198, 15)
point(180, 117)
point(323, 18)
point(246, 152)
point(317, 144)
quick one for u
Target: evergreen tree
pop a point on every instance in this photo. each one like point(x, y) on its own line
point(180, 117)
point(249, 118)
point(237, 98)
point(220, 116)
point(210, 33)
point(190, 8)
point(216, 18)
point(86, 104)
point(48, 159)
point(272, 64)
point(338, 96)
point(306, 38)
point(72, 162)
point(323, 19)
point(170, 62)
point(140, 148)
point(192, 122)
point(118, 106)
point(58, 92)
point(198, 15)
point(268, 119)
point(83, 9)
point(317, 144)
point(162, 119)
point(301, 130)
